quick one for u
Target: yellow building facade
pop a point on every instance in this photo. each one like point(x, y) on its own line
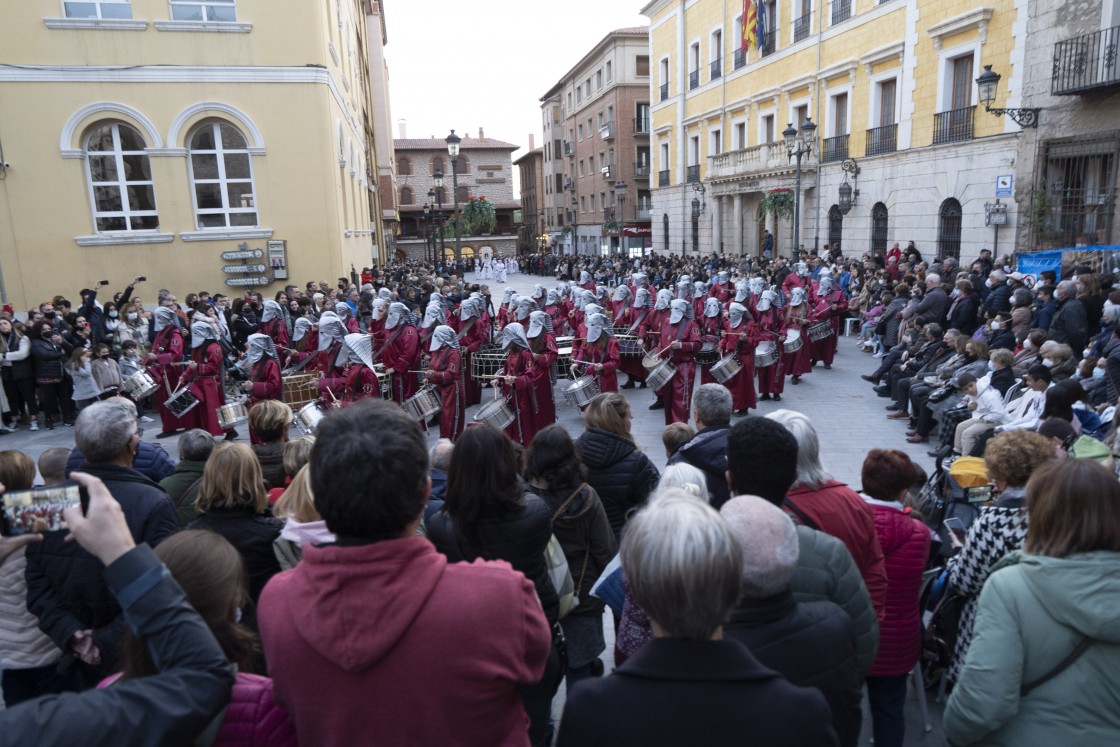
point(150, 137)
point(890, 87)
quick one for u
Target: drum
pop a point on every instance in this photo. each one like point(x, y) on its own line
point(486, 362)
point(564, 347)
point(384, 381)
point(232, 415)
point(709, 351)
point(629, 345)
point(498, 413)
point(308, 417)
point(424, 404)
point(300, 388)
point(581, 391)
point(726, 369)
point(651, 361)
point(181, 402)
point(661, 374)
point(793, 341)
point(766, 354)
point(139, 385)
point(819, 331)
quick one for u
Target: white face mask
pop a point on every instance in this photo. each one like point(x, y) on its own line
point(996, 326)
point(991, 366)
point(1048, 362)
point(1027, 344)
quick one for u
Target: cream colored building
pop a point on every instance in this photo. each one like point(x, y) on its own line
point(149, 137)
point(890, 85)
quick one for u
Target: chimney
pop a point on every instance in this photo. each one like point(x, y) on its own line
point(481, 134)
point(402, 124)
point(532, 142)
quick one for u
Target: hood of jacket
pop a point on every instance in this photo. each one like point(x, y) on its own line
point(707, 450)
point(400, 573)
point(1081, 591)
point(600, 449)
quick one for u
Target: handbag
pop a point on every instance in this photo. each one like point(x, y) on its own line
point(561, 577)
point(881, 327)
point(941, 393)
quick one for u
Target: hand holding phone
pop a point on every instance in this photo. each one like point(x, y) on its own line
point(957, 531)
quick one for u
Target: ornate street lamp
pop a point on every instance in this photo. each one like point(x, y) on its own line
point(696, 224)
point(847, 194)
point(988, 84)
point(453, 141)
point(437, 179)
point(799, 147)
point(428, 219)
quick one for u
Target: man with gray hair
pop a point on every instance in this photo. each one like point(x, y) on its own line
point(934, 304)
point(66, 589)
point(707, 450)
point(1069, 324)
point(182, 485)
point(811, 644)
point(150, 460)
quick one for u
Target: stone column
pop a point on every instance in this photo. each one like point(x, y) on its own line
point(737, 222)
point(717, 224)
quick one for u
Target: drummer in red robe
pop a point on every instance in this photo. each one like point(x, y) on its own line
point(347, 316)
point(830, 306)
point(585, 281)
point(699, 296)
point(361, 379)
point(740, 335)
point(797, 317)
point(167, 349)
point(799, 278)
point(445, 373)
point(721, 287)
point(637, 314)
point(264, 381)
point(305, 344)
point(400, 352)
point(472, 335)
point(522, 308)
point(379, 309)
point(518, 378)
point(506, 308)
point(272, 324)
point(650, 330)
point(555, 310)
point(434, 315)
point(679, 337)
point(711, 324)
point(771, 380)
point(542, 344)
point(332, 359)
point(599, 355)
point(204, 374)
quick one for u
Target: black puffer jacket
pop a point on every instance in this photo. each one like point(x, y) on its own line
point(47, 358)
point(621, 475)
point(809, 643)
point(252, 534)
point(519, 539)
point(707, 452)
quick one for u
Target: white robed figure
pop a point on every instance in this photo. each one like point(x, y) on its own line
point(502, 269)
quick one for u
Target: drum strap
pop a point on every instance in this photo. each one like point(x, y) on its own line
point(302, 365)
point(377, 353)
point(638, 322)
point(466, 328)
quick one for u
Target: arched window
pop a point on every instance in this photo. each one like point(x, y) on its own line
point(949, 229)
point(406, 196)
point(462, 165)
point(437, 165)
point(835, 225)
point(120, 179)
point(405, 167)
point(879, 229)
point(221, 176)
point(462, 194)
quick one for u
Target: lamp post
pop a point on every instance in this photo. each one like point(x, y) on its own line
point(428, 219)
point(988, 83)
point(696, 225)
point(575, 227)
point(453, 141)
point(437, 178)
point(847, 194)
point(798, 147)
point(620, 188)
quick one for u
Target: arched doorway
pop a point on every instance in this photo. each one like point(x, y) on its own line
point(835, 225)
point(879, 228)
point(949, 229)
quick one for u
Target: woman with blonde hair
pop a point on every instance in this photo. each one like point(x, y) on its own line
point(302, 523)
point(620, 473)
point(232, 502)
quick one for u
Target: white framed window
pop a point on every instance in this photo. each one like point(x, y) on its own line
point(120, 179)
point(610, 73)
point(694, 150)
point(97, 9)
point(204, 10)
point(715, 142)
point(766, 132)
point(221, 174)
point(739, 135)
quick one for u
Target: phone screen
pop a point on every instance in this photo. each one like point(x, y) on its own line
point(40, 509)
point(980, 494)
point(956, 526)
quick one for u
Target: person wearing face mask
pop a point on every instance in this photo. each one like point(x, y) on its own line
point(17, 370)
point(517, 381)
point(771, 327)
point(678, 340)
point(797, 363)
point(1060, 360)
point(1069, 324)
point(167, 350)
point(400, 352)
point(829, 305)
point(998, 298)
point(133, 326)
point(739, 338)
point(106, 372)
point(598, 355)
point(204, 377)
point(650, 330)
point(999, 332)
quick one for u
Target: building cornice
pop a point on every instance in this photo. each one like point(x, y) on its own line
point(848, 66)
point(883, 54)
point(977, 18)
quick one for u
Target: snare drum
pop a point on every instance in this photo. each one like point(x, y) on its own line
point(651, 361)
point(300, 388)
point(793, 341)
point(424, 404)
point(709, 351)
point(139, 385)
point(766, 354)
point(498, 413)
point(232, 415)
point(726, 369)
point(661, 374)
point(308, 417)
point(581, 391)
point(181, 402)
point(384, 381)
point(486, 362)
point(819, 331)
point(630, 345)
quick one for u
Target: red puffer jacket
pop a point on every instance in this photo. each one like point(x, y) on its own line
point(905, 543)
point(253, 718)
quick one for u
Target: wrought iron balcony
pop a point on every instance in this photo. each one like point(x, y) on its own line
point(693, 174)
point(717, 69)
point(881, 140)
point(801, 27)
point(767, 42)
point(694, 79)
point(607, 131)
point(641, 125)
point(610, 172)
point(953, 126)
point(1086, 63)
point(663, 178)
point(834, 149)
point(841, 11)
point(740, 58)
point(664, 91)
point(569, 149)
point(641, 171)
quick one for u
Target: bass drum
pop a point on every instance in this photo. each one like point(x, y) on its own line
point(486, 362)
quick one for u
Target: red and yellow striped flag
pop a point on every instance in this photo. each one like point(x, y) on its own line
point(750, 25)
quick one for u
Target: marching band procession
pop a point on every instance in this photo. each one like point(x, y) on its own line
point(571, 341)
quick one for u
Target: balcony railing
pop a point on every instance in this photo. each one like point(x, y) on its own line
point(1086, 62)
point(610, 172)
point(717, 69)
point(834, 149)
point(801, 27)
point(569, 149)
point(953, 126)
point(663, 178)
point(694, 79)
point(641, 125)
point(767, 42)
point(693, 174)
point(881, 140)
point(740, 58)
point(641, 171)
point(607, 131)
point(841, 11)
point(568, 183)
point(664, 91)
point(645, 212)
point(758, 160)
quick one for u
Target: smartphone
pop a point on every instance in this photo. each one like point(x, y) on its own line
point(141, 279)
point(103, 282)
point(40, 509)
point(979, 494)
point(957, 527)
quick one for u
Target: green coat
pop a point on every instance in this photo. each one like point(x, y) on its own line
point(186, 473)
point(1032, 613)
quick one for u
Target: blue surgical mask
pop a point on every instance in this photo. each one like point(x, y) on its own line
point(991, 366)
point(1098, 373)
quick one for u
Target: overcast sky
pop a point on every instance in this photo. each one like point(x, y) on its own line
point(466, 65)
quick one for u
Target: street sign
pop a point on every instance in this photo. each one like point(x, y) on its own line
point(995, 214)
point(242, 269)
point(1004, 184)
point(242, 254)
point(239, 282)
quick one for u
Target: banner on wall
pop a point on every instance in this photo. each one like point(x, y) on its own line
point(1032, 265)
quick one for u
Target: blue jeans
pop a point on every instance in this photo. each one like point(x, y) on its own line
point(887, 697)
